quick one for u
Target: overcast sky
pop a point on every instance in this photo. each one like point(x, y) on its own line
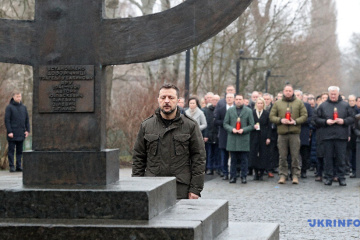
point(348, 20)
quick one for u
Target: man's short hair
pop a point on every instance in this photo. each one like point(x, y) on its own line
point(351, 95)
point(239, 95)
point(298, 91)
point(334, 88)
point(15, 92)
point(170, 86)
point(288, 85)
point(231, 94)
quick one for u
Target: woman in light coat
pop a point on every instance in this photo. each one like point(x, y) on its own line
point(196, 113)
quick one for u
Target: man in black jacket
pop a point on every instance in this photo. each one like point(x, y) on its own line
point(336, 133)
point(17, 128)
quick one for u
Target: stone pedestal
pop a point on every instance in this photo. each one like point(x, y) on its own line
point(135, 208)
point(75, 167)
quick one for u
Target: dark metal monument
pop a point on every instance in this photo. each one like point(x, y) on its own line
point(70, 181)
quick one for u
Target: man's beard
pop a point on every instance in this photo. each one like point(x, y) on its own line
point(167, 112)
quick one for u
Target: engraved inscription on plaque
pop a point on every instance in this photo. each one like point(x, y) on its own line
point(66, 88)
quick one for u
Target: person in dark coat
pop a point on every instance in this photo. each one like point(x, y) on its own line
point(220, 113)
point(211, 138)
point(17, 128)
point(336, 135)
point(170, 144)
point(260, 140)
point(305, 136)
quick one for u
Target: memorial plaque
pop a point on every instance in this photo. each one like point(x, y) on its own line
point(66, 88)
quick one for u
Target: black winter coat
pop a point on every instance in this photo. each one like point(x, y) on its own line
point(305, 127)
point(325, 111)
point(259, 151)
point(16, 120)
point(211, 131)
point(219, 121)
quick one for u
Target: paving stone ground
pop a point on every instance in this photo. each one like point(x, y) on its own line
point(289, 205)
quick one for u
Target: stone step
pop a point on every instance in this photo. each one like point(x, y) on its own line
point(109, 229)
point(188, 219)
point(213, 215)
point(251, 231)
point(129, 199)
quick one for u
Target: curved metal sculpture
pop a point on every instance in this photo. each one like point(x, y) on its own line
point(63, 29)
point(70, 39)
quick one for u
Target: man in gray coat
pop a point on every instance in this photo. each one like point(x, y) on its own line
point(171, 144)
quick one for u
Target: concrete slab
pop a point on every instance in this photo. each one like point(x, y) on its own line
point(251, 231)
point(130, 198)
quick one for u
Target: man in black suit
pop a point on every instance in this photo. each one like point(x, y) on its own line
point(220, 113)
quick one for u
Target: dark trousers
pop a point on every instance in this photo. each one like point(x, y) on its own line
point(353, 160)
point(11, 153)
point(213, 159)
point(242, 158)
point(334, 155)
point(305, 155)
point(320, 167)
point(224, 161)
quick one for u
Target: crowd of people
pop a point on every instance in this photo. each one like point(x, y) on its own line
point(288, 134)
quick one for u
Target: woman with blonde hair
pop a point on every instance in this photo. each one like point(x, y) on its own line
point(260, 140)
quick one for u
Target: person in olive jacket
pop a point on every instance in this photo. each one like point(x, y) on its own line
point(238, 141)
point(289, 132)
point(171, 144)
point(336, 133)
point(17, 128)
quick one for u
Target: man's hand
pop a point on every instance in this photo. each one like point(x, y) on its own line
point(292, 122)
point(235, 131)
point(193, 196)
point(339, 121)
point(26, 134)
point(285, 121)
point(330, 122)
point(241, 131)
point(11, 135)
point(206, 139)
point(268, 141)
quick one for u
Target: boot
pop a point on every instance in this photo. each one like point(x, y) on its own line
point(295, 180)
point(282, 180)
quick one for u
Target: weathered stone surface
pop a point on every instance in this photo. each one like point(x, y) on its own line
point(251, 231)
point(213, 214)
point(83, 167)
point(132, 198)
point(35, 229)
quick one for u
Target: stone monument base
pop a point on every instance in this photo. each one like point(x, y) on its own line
point(133, 208)
point(68, 168)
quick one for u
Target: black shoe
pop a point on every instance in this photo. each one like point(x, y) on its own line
point(328, 182)
point(19, 169)
point(226, 177)
point(318, 179)
point(209, 172)
point(303, 175)
point(243, 180)
point(12, 169)
point(232, 180)
point(352, 175)
point(342, 182)
point(311, 169)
